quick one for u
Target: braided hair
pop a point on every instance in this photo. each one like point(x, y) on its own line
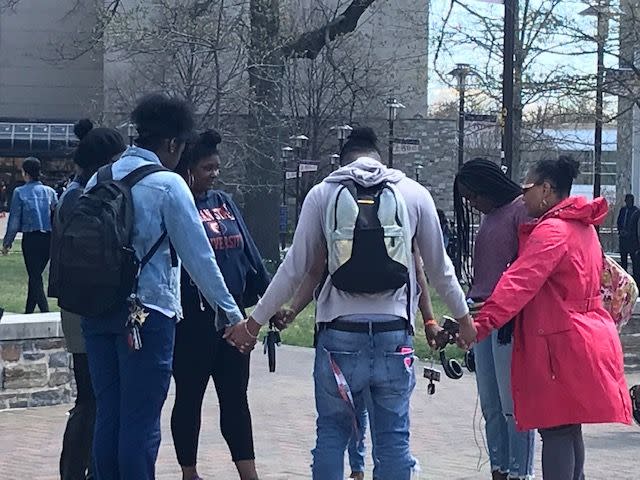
point(484, 178)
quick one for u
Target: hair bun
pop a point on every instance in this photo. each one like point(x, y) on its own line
point(569, 166)
point(210, 138)
point(82, 127)
point(364, 133)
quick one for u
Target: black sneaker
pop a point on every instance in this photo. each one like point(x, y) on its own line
point(635, 402)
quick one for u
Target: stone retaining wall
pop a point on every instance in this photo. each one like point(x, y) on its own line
point(35, 369)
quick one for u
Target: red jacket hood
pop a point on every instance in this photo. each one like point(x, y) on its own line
point(590, 212)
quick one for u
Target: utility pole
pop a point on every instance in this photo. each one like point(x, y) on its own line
point(507, 84)
point(601, 12)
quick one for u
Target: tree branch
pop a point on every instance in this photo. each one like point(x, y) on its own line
point(310, 44)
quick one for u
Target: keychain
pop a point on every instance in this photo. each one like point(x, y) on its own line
point(137, 317)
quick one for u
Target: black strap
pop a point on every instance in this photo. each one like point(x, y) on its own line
point(152, 251)
point(104, 174)
point(139, 173)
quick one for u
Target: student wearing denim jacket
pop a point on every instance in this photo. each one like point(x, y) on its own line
point(30, 213)
point(131, 385)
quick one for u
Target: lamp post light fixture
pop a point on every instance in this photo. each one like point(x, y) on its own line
point(286, 155)
point(299, 142)
point(602, 12)
point(460, 73)
point(418, 168)
point(342, 132)
point(131, 130)
point(334, 161)
point(393, 105)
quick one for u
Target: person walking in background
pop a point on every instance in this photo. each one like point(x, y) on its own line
point(480, 184)
point(567, 357)
point(366, 307)
point(444, 225)
point(131, 367)
point(31, 207)
point(200, 351)
point(628, 235)
point(97, 147)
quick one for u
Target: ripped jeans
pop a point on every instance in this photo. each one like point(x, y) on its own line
point(510, 451)
point(379, 377)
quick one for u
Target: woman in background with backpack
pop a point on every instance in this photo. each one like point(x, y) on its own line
point(97, 147)
point(200, 351)
point(30, 213)
point(567, 358)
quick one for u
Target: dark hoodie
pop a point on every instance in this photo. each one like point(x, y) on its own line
point(236, 253)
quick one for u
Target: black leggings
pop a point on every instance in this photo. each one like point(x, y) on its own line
point(75, 460)
point(201, 352)
point(35, 250)
point(562, 453)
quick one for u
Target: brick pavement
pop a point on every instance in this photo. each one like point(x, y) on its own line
point(283, 413)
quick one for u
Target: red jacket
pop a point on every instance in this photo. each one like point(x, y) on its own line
point(567, 365)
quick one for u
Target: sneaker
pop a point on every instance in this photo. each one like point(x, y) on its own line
point(635, 402)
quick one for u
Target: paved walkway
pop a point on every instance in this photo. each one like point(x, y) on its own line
point(443, 434)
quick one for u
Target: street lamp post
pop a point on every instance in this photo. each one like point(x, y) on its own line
point(418, 168)
point(342, 132)
point(460, 73)
point(334, 161)
point(131, 128)
point(393, 106)
point(299, 142)
point(602, 13)
point(287, 152)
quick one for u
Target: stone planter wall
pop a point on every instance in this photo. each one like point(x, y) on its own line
point(35, 369)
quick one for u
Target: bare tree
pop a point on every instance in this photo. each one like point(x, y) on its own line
point(540, 36)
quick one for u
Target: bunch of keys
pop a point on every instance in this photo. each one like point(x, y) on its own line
point(137, 317)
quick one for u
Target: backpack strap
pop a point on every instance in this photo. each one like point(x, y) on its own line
point(104, 174)
point(141, 172)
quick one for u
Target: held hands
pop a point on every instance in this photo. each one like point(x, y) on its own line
point(243, 335)
point(283, 318)
point(468, 332)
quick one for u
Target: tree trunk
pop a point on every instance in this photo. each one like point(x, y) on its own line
point(262, 168)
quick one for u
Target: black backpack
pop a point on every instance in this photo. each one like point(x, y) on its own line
point(368, 250)
point(93, 262)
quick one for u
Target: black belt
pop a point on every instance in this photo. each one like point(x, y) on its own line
point(365, 327)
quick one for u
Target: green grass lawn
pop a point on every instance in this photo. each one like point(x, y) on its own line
point(13, 282)
point(13, 294)
point(300, 333)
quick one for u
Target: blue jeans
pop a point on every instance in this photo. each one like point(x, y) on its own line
point(510, 451)
point(378, 377)
point(356, 449)
point(130, 388)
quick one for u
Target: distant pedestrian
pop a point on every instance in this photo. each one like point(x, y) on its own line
point(30, 213)
point(97, 147)
point(200, 352)
point(628, 234)
point(445, 226)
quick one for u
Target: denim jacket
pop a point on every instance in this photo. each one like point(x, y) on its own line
point(163, 202)
point(31, 208)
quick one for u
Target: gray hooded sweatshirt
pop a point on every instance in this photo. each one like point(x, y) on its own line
point(309, 243)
